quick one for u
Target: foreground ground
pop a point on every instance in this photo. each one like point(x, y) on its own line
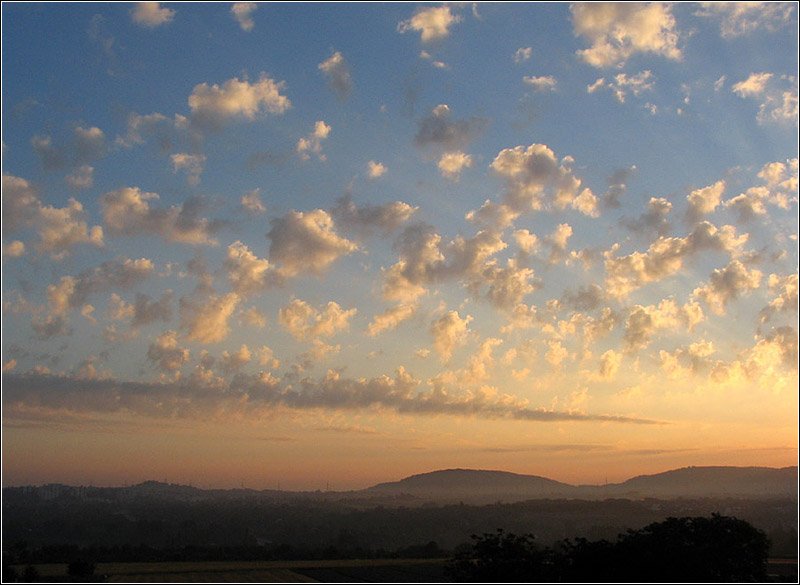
point(343, 571)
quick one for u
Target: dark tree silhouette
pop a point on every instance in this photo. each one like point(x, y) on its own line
point(692, 549)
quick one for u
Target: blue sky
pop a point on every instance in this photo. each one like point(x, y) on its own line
point(238, 217)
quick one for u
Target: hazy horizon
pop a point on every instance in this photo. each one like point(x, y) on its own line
point(332, 245)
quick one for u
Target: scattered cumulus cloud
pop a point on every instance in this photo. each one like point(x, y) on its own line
point(243, 13)
point(312, 144)
point(452, 163)
point(617, 31)
point(306, 242)
point(151, 14)
point(432, 23)
point(541, 83)
point(337, 71)
point(522, 54)
point(375, 170)
point(214, 105)
point(743, 18)
point(305, 322)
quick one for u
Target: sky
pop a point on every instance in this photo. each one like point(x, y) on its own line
point(327, 245)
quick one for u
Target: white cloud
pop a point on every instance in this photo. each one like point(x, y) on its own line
point(666, 256)
point(375, 169)
point(623, 84)
point(432, 23)
point(306, 242)
point(127, 212)
point(247, 273)
point(14, 249)
point(726, 284)
point(609, 364)
point(643, 321)
point(234, 361)
point(313, 142)
point(337, 71)
point(786, 301)
point(366, 218)
point(452, 163)
point(305, 322)
point(541, 83)
point(704, 201)
point(151, 14)
point(61, 228)
point(212, 105)
point(522, 54)
point(81, 178)
point(205, 318)
point(536, 179)
point(753, 86)
point(166, 354)
point(243, 13)
point(251, 201)
point(449, 332)
point(617, 31)
point(391, 318)
point(191, 164)
point(742, 18)
point(440, 130)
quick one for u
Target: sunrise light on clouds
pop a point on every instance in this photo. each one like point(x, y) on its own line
point(337, 244)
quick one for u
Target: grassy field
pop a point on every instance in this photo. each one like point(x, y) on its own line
point(380, 570)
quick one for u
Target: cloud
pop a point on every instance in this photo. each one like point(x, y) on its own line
point(205, 317)
point(247, 273)
point(233, 362)
point(624, 84)
point(438, 130)
point(536, 179)
point(127, 212)
point(391, 318)
point(365, 219)
point(191, 164)
point(643, 321)
point(243, 12)
point(666, 256)
point(306, 242)
point(609, 364)
point(779, 189)
point(151, 15)
point(452, 163)
point(74, 291)
point(726, 284)
point(508, 286)
point(743, 18)
point(778, 105)
point(432, 23)
point(260, 393)
point(51, 157)
point(89, 144)
point(212, 105)
point(313, 142)
point(558, 242)
point(449, 331)
point(785, 287)
point(704, 201)
point(337, 71)
point(654, 219)
point(617, 31)
point(81, 178)
point(586, 298)
point(20, 203)
point(541, 83)
point(165, 353)
point(375, 169)
point(423, 260)
point(522, 54)
point(59, 229)
point(305, 322)
point(14, 249)
point(253, 317)
point(251, 201)
point(753, 86)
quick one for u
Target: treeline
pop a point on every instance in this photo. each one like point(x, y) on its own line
point(690, 549)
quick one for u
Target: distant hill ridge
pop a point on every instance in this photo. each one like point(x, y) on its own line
point(487, 486)
point(683, 482)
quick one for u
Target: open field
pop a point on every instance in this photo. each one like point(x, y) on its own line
point(386, 570)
